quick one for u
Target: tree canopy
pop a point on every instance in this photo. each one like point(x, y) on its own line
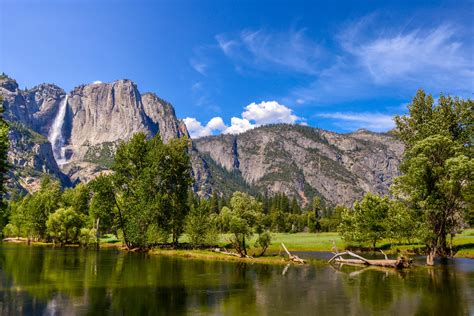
point(437, 168)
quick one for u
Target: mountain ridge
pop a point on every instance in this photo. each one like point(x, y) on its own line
point(298, 160)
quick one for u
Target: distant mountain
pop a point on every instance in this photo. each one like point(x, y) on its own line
point(293, 159)
point(306, 162)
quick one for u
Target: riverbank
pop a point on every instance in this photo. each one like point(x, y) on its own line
point(299, 242)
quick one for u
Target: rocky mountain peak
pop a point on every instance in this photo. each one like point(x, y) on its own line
point(306, 162)
point(8, 84)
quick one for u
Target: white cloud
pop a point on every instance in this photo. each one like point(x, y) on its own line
point(255, 114)
point(291, 50)
point(350, 121)
point(238, 125)
point(268, 112)
point(97, 82)
point(196, 129)
point(216, 124)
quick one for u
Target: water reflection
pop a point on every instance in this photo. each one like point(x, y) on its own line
point(37, 280)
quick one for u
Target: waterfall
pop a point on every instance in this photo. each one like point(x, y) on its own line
point(55, 136)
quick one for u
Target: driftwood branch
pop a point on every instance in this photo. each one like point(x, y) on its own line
point(231, 253)
point(293, 258)
point(286, 269)
point(399, 263)
point(227, 253)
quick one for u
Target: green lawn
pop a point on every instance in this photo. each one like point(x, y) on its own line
point(464, 243)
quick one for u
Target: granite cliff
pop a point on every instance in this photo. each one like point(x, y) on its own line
point(304, 161)
point(298, 160)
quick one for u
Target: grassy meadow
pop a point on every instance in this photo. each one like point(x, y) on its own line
point(463, 244)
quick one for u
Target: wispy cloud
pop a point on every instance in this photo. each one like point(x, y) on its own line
point(393, 61)
point(199, 66)
point(351, 121)
point(290, 51)
point(415, 56)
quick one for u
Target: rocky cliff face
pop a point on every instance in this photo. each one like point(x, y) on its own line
point(305, 161)
point(297, 160)
point(98, 117)
point(30, 114)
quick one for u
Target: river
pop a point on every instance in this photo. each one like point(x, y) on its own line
point(38, 280)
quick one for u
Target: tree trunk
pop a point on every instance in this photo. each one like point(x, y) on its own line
point(392, 263)
point(442, 244)
point(431, 256)
point(245, 248)
point(97, 234)
point(293, 258)
point(122, 224)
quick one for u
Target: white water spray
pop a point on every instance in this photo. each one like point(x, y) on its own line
point(55, 136)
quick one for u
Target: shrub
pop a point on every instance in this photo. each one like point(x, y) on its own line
point(88, 237)
point(64, 225)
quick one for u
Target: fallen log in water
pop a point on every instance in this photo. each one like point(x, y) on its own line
point(399, 263)
point(293, 258)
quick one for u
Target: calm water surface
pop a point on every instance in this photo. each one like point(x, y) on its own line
point(46, 281)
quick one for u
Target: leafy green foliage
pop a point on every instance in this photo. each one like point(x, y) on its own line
point(103, 210)
point(147, 191)
point(263, 241)
point(30, 215)
point(437, 170)
point(78, 198)
point(88, 237)
point(241, 219)
point(366, 222)
point(201, 224)
point(64, 225)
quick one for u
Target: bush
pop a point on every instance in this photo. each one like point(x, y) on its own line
point(10, 230)
point(88, 237)
point(64, 226)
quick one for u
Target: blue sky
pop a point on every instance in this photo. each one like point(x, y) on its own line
point(228, 66)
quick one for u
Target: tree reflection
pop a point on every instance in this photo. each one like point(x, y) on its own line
point(37, 280)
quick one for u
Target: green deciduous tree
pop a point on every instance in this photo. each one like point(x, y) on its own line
point(241, 219)
point(201, 224)
point(437, 169)
point(403, 223)
point(37, 208)
point(367, 220)
point(78, 198)
point(64, 225)
point(103, 209)
point(148, 189)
